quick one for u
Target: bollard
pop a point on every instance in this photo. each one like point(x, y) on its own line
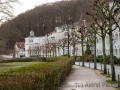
point(108, 73)
point(89, 64)
point(79, 62)
point(118, 81)
point(101, 66)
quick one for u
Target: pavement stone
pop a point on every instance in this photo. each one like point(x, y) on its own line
point(82, 78)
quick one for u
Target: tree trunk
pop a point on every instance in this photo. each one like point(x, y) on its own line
point(74, 54)
point(14, 53)
point(95, 65)
point(82, 53)
point(104, 54)
point(46, 51)
point(58, 52)
point(111, 56)
point(50, 52)
point(63, 51)
point(55, 51)
point(40, 52)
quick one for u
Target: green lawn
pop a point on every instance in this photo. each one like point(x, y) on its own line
point(14, 65)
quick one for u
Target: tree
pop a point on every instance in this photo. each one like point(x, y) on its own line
point(83, 35)
point(101, 24)
point(74, 40)
point(63, 43)
point(6, 9)
point(88, 51)
point(108, 15)
point(92, 39)
point(6, 13)
point(42, 19)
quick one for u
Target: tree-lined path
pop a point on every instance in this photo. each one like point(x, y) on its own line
point(82, 78)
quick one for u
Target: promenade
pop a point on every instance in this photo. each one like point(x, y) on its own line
point(82, 78)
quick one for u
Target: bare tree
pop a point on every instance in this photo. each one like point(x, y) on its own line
point(107, 11)
point(63, 43)
point(74, 40)
point(82, 33)
point(92, 39)
point(6, 9)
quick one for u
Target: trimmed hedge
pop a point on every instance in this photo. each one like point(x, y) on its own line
point(41, 76)
point(41, 59)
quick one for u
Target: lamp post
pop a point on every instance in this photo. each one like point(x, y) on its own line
point(68, 35)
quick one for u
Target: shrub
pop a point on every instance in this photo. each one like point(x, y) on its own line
point(41, 76)
point(93, 60)
point(97, 59)
point(78, 58)
point(100, 59)
point(88, 51)
point(21, 56)
point(65, 55)
point(26, 59)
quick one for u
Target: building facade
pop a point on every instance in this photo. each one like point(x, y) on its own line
point(52, 44)
point(56, 44)
point(116, 44)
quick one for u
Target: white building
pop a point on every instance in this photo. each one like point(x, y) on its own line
point(116, 44)
point(31, 43)
point(39, 45)
point(34, 45)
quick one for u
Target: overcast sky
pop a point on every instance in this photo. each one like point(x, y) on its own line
point(28, 4)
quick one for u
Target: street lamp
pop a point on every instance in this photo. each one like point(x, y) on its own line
point(67, 27)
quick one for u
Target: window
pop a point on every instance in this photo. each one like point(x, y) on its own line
point(116, 36)
point(30, 40)
point(97, 40)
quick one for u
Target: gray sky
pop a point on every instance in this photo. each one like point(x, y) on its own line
point(29, 4)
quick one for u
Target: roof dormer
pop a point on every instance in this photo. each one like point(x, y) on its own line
point(31, 33)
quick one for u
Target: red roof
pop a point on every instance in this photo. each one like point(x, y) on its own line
point(20, 44)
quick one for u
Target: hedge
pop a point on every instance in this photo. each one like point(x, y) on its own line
point(41, 76)
point(41, 59)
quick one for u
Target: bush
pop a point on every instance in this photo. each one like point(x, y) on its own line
point(78, 58)
point(97, 59)
point(42, 59)
point(41, 76)
point(100, 59)
point(116, 60)
point(93, 60)
point(65, 55)
point(21, 56)
point(88, 51)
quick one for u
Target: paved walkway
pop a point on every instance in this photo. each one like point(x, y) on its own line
point(82, 78)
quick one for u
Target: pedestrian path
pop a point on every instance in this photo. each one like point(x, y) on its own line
point(82, 78)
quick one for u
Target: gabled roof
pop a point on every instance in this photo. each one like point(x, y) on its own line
point(20, 45)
